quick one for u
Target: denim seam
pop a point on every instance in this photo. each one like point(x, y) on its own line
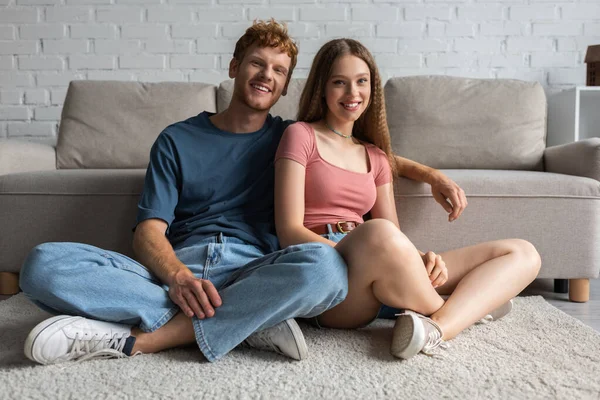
point(201, 341)
point(210, 258)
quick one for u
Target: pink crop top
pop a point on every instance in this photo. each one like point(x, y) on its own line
point(332, 193)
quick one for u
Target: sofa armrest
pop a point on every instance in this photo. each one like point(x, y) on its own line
point(580, 158)
point(21, 156)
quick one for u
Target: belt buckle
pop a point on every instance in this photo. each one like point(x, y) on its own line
point(339, 226)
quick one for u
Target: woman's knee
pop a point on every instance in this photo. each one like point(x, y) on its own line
point(530, 255)
point(381, 238)
point(529, 258)
point(379, 250)
point(376, 231)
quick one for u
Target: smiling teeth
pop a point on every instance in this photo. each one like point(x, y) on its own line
point(351, 105)
point(261, 88)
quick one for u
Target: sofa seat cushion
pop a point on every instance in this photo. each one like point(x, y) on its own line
point(96, 207)
point(109, 124)
point(558, 214)
point(450, 122)
point(104, 182)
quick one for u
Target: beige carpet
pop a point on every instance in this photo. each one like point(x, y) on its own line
point(537, 351)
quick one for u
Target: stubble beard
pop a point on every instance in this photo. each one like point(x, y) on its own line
point(257, 106)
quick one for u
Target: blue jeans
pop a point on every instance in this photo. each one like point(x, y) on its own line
point(385, 312)
point(258, 290)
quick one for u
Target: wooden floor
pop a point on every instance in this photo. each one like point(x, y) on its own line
point(588, 313)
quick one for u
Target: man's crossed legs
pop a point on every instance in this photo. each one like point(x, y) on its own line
point(260, 293)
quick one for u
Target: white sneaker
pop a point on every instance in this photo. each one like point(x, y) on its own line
point(67, 338)
point(284, 338)
point(414, 333)
point(498, 313)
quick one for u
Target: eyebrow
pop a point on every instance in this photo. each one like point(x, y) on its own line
point(259, 58)
point(344, 76)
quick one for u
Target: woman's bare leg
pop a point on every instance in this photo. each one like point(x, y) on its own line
point(383, 267)
point(481, 278)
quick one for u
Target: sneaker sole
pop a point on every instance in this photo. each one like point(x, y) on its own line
point(502, 310)
point(298, 339)
point(33, 336)
point(409, 336)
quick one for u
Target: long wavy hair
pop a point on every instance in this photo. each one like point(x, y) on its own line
point(268, 34)
point(371, 126)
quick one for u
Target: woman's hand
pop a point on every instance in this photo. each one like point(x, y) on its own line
point(193, 295)
point(436, 268)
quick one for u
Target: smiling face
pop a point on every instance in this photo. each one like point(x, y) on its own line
point(348, 90)
point(260, 77)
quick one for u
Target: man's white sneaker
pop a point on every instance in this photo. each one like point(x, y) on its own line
point(284, 338)
point(498, 313)
point(67, 338)
point(414, 333)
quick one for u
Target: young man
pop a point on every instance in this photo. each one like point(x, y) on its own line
point(209, 269)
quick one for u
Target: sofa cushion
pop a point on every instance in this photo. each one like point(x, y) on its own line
point(92, 206)
point(286, 107)
point(559, 214)
point(109, 124)
point(449, 122)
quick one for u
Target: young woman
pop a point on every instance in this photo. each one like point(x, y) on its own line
point(336, 166)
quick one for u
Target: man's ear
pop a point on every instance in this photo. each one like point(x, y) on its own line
point(285, 88)
point(233, 68)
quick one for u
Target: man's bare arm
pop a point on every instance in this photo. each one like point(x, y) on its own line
point(153, 250)
point(445, 191)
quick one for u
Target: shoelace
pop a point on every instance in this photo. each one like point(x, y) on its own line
point(486, 320)
point(502, 310)
point(434, 338)
point(108, 347)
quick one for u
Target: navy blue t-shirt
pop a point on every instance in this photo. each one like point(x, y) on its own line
point(203, 181)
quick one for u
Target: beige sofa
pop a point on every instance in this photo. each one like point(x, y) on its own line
point(487, 135)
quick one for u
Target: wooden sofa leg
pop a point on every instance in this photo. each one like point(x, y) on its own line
point(9, 283)
point(579, 290)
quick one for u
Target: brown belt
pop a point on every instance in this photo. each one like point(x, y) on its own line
point(336, 227)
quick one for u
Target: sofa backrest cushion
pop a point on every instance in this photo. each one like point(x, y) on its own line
point(110, 124)
point(286, 107)
point(449, 122)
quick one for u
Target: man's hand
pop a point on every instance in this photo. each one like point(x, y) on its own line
point(446, 192)
point(436, 268)
point(193, 295)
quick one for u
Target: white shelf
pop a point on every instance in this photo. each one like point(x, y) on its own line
point(573, 115)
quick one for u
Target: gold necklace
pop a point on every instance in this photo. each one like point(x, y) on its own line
point(336, 132)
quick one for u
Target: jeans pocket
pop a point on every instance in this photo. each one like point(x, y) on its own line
point(336, 236)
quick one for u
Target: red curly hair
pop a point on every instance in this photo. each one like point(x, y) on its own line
point(268, 34)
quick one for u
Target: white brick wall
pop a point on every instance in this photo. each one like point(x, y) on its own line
point(44, 44)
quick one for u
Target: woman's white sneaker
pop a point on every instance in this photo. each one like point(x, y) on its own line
point(285, 338)
point(68, 338)
point(498, 313)
point(414, 333)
